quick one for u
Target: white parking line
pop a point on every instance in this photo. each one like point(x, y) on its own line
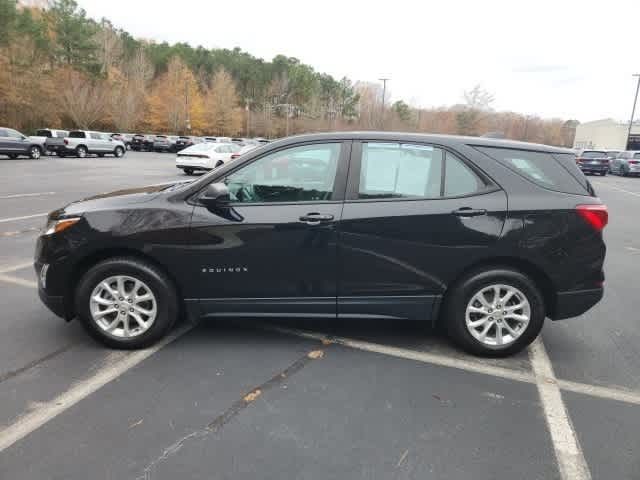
point(569, 454)
point(116, 365)
point(21, 195)
point(606, 185)
point(19, 266)
point(607, 393)
point(15, 219)
point(18, 281)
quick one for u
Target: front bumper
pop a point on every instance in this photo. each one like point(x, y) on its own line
point(574, 303)
point(54, 303)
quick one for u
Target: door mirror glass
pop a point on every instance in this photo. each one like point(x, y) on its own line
point(216, 194)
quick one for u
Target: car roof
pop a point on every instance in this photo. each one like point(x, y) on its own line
point(420, 137)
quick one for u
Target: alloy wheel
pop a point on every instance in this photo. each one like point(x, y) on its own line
point(123, 306)
point(497, 315)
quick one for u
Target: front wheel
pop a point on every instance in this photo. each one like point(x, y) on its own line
point(35, 153)
point(126, 303)
point(118, 152)
point(494, 313)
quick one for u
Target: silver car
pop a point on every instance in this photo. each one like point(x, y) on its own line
point(626, 163)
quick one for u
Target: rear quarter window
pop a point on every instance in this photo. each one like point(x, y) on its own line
point(556, 172)
point(77, 134)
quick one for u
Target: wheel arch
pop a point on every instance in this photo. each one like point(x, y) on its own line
point(528, 268)
point(81, 267)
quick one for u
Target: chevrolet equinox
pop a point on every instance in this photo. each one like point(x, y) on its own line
point(485, 237)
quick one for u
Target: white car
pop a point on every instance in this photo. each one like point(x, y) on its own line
point(205, 156)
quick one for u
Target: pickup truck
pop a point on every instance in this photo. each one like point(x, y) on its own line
point(42, 134)
point(81, 143)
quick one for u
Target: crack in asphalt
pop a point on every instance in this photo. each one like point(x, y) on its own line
point(221, 420)
point(14, 373)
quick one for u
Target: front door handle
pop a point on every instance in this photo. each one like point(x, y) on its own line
point(315, 218)
point(469, 212)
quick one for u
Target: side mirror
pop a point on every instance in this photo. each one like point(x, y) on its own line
point(23, 137)
point(216, 194)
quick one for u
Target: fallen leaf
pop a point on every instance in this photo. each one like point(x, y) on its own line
point(250, 397)
point(316, 354)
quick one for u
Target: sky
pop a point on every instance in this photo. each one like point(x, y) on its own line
point(562, 58)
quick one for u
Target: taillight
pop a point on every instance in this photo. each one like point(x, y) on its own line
point(66, 142)
point(578, 160)
point(596, 215)
point(633, 162)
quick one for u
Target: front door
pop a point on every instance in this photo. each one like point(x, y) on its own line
point(414, 215)
point(273, 251)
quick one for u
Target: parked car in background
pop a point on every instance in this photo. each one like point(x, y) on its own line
point(205, 156)
point(485, 238)
point(593, 161)
point(243, 150)
point(142, 142)
point(217, 139)
point(186, 141)
point(43, 133)
point(81, 143)
point(14, 144)
point(626, 163)
point(164, 143)
point(125, 138)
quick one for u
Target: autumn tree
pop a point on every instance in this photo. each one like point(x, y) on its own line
point(175, 103)
point(81, 98)
point(223, 116)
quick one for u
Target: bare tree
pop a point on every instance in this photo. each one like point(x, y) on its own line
point(82, 99)
point(109, 46)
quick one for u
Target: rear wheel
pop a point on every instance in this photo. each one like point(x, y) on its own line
point(35, 152)
point(101, 155)
point(126, 303)
point(81, 151)
point(188, 171)
point(12, 156)
point(494, 313)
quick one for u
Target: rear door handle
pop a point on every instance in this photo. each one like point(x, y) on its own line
point(469, 212)
point(315, 218)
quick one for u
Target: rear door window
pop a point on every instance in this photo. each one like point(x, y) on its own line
point(77, 134)
point(552, 171)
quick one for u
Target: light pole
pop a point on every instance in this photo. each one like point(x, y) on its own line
point(633, 110)
point(384, 92)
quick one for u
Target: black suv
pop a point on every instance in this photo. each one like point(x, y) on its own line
point(14, 144)
point(486, 236)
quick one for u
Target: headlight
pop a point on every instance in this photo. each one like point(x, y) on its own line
point(57, 226)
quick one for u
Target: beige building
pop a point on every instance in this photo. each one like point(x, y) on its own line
point(607, 134)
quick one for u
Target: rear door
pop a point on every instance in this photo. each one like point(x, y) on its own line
point(414, 214)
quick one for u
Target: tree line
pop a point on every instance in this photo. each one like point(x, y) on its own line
point(59, 68)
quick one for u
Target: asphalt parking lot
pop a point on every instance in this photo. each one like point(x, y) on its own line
point(304, 398)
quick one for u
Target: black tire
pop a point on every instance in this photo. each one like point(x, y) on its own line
point(455, 306)
point(35, 152)
point(603, 174)
point(188, 171)
point(12, 156)
point(118, 152)
point(81, 151)
point(101, 155)
point(161, 287)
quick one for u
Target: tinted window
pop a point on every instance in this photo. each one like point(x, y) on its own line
point(298, 174)
point(13, 134)
point(43, 133)
point(394, 170)
point(77, 134)
point(459, 179)
point(542, 168)
point(593, 154)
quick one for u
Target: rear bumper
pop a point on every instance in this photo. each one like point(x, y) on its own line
point(572, 304)
point(594, 168)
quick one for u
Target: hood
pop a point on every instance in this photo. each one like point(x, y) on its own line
point(118, 198)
